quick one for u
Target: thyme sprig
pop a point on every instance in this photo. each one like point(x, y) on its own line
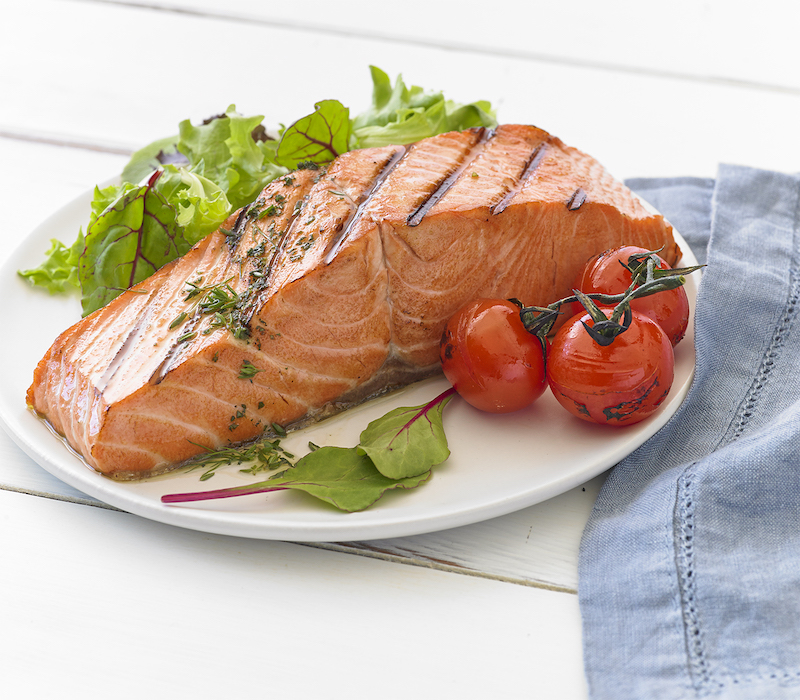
point(248, 370)
point(263, 455)
point(220, 301)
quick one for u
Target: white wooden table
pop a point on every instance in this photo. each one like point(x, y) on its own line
point(106, 604)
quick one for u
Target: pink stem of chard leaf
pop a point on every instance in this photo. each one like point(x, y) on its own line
point(433, 403)
point(219, 493)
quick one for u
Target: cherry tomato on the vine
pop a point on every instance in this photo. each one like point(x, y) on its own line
point(617, 384)
point(604, 274)
point(490, 359)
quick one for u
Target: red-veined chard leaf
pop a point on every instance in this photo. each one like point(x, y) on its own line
point(408, 441)
point(396, 451)
point(343, 477)
point(127, 243)
point(318, 137)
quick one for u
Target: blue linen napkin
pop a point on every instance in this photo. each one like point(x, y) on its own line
point(689, 571)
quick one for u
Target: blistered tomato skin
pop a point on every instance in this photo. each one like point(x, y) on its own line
point(618, 384)
point(604, 274)
point(490, 359)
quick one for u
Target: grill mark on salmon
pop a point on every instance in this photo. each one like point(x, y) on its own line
point(483, 135)
point(348, 226)
point(533, 163)
point(284, 218)
point(280, 248)
point(330, 329)
point(576, 200)
point(238, 227)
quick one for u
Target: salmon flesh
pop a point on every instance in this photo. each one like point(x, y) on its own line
point(332, 287)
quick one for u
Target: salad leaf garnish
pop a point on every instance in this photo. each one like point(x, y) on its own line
point(200, 204)
point(408, 441)
point(127, 243)
point(225, 151)
point(341, 476)
point(59, 271)
point(401, 115)
point(396, 451)
point(217, 167)
point(147, 159)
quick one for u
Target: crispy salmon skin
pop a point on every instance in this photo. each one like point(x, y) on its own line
point(333, 286)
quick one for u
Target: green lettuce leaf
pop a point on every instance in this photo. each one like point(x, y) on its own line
point(149, 158)
point(224, 150)
point(402, 115)
point(207, 172)
point(200, 203)
point(59, 271)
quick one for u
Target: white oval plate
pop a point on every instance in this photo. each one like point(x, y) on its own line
point(499, 464)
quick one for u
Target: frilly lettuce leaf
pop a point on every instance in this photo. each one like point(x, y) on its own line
point(59, 271)
point(226, 150)
point(401, 114)
point(201, 204)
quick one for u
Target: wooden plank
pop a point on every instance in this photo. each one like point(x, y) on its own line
point(156, 610)
point(536, 546)
point(40, 178)
point(639, 124)
point(635, 124)
point(708, 41)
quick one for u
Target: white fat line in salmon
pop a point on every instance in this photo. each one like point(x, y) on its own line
point(136, 331)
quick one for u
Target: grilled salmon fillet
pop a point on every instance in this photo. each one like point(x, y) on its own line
point(333, 286)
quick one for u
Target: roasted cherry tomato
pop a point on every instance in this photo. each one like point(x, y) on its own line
point(604, 274)
point(490, 359)
point(617, 384)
